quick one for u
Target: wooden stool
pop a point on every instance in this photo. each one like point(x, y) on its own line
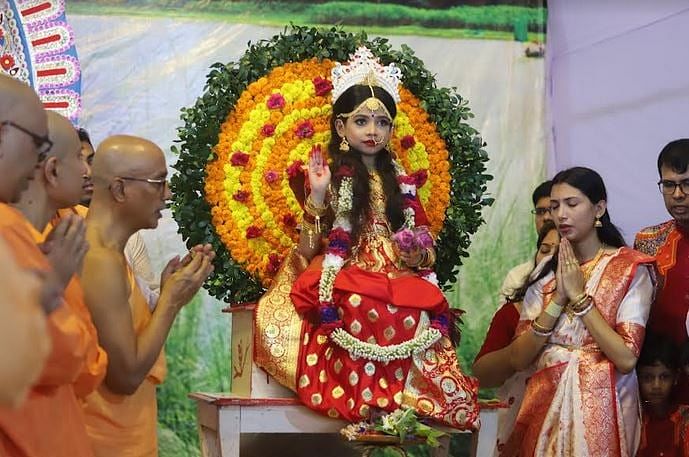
point(223, 418)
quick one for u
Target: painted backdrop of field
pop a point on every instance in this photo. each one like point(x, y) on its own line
point(142, 61)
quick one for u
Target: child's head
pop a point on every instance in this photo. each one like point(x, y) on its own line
point(363, 115)
point(657, 369)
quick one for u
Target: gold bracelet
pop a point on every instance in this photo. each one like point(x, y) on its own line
point(582, 304)
point(579, 298)
point(540, 327)
point(311, 208)
point(584, 311)
point(540, 330)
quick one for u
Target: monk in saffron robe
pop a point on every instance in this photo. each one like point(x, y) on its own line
point(20, 320)
point(27, 293)
point(130, 191)
point(51, 421)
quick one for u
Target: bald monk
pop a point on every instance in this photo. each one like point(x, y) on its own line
point(24, 340)
point(135, 250)
point(65, 178)
point(51, 421)
point(130, 190)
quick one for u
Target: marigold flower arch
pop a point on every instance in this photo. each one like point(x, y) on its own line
point(275, 124)
point(249, 211)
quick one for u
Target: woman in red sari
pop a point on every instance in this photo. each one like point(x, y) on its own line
point(581, 328)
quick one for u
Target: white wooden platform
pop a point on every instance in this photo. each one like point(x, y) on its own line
point(223, 418)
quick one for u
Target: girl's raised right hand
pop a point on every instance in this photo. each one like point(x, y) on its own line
point(319, 177)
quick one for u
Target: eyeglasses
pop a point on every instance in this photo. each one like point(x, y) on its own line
point(540, 211)
point(162, 182)
point(668, 187)
point(43, 143)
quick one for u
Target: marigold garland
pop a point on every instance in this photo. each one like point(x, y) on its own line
point(254, 128)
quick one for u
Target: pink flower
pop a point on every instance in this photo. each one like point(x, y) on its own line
point(304, 130)
point(295, 169)
point(253, 232)
point(423, 237)
point(322, 85)
point(268, 130)
point(271, 176)
point(406, 179)
point(274, 262)
point(420, 177)
point(339, 242)
point(241, 196)
point(441, 322)
point(239, 159)
point(408, 141)
point(404, 239)
point(275, 101)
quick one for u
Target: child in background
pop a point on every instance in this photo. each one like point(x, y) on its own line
point(680, 394)
point(665, 422)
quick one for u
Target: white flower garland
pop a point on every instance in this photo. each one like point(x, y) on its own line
point(369, 351)
point(409, 214)
point(333, 263)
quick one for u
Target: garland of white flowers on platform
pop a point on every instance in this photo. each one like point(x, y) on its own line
point(385, 354)
point(339, 244)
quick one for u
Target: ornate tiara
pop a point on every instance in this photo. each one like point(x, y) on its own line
point(365, 68)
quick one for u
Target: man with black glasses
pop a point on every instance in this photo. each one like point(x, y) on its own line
point(50, 422)
point(669, 243)
point(130, 191)
point(135, 250)
point(28, 287)
point(517, 276)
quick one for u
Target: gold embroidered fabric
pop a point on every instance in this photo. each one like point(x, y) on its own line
point(278, 326)
point(375, 250)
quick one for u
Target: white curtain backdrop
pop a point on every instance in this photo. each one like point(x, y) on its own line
point(618, 91)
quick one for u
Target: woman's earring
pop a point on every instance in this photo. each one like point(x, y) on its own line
point(598, 223)
point(344, 145)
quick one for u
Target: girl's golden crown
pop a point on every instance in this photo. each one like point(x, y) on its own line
point(364, 68)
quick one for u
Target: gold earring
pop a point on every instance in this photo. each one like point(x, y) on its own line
point(598, 223)
point(344, 145)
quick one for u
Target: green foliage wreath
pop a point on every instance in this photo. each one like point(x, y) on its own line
point(226, 82)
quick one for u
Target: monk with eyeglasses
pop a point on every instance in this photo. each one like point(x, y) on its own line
point(31, 290)
point(51, 421)
point(130, 191)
